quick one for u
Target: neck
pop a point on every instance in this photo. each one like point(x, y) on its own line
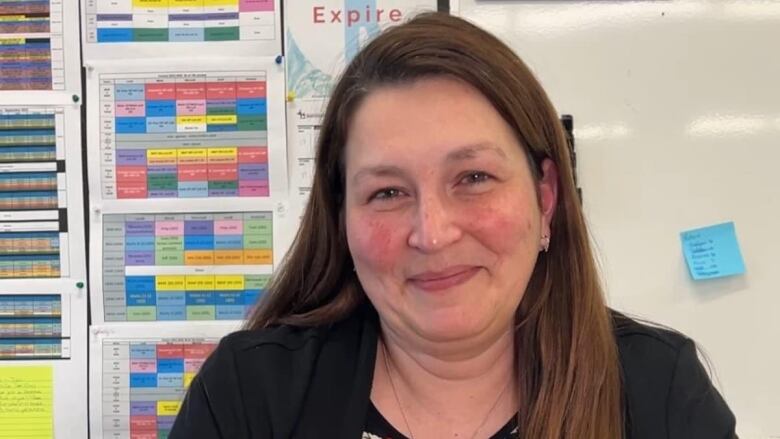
point(460, 384)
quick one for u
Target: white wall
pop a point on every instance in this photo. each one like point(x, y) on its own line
point(677, 118)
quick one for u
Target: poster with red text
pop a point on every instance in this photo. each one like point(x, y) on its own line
point(321, 36)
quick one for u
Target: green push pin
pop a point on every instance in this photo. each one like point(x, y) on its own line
point(79, 284)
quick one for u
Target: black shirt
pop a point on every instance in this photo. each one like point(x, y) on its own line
point(291, 382)
point(377, 427)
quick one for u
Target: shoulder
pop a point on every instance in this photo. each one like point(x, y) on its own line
point(645, 340)
point(287, 368)
point(668, 391)
point(649, 355)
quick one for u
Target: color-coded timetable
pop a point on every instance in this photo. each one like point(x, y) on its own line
point(23, 16)
point(143, 21)
point(31, 327)
point(33, 199)
point(29, 254)
point(30, 135)
point(144, 383)
point(184, 135)
point(31, 45)
point(185, 266)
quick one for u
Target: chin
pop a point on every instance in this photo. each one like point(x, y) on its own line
point(451, 325)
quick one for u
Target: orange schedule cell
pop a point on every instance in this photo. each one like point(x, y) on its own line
point(259, 256)
point(199, 257)
point(228, 257)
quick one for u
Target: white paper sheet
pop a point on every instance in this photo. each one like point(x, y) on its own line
point(124, 29)
point(138, 374)
point(123, 122)
point(56, 38)
point(319, 39)
point(218, 275)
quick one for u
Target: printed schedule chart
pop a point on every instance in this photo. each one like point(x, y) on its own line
point(184, 135)
point(31, 327)
point(142, 21)
point(33, 198)
point(144, 383)
point(31, 45)
point(185, 266)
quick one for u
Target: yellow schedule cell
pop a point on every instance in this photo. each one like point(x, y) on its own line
point(222, 153)
point(191, 120)
point(220, 3)
point(14, 18)
point(198, 257)
point(161, 156)
point(200, 282)
point(228, 257)
point(188, 377)
point(168, 408)
point(12, 41)
point(191, 155)
point(258, 256)
point(185, 3)
point(229, 282)
point(169, 283)
point(151, 3)
point(224, 119)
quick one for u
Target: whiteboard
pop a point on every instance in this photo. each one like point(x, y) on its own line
point(676, 120)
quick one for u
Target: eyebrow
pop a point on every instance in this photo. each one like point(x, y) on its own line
point(471, 151)
point(467, 152)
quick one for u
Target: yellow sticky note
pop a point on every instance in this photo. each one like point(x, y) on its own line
point(26, 402)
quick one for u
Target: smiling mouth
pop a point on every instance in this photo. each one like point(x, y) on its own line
point(439, 281)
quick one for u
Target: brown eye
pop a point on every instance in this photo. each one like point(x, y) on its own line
point(386, 194)
point(475, 177)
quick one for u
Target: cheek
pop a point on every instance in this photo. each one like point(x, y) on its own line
point(505, 226)
point(374, 240)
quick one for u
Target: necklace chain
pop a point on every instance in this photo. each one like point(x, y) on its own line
point(401, 408)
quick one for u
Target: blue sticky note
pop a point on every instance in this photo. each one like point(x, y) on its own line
point(712, 251)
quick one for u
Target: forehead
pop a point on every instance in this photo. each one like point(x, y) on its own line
point(425, 120)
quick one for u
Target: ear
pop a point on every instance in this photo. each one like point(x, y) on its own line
point(548, 193)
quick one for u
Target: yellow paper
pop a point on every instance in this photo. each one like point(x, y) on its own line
point(26, 402)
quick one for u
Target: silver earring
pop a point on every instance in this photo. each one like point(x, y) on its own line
point(545, 243)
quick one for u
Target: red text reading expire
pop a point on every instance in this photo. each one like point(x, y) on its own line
point(353, 16)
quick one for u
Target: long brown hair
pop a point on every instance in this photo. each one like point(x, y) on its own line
point(569, 379)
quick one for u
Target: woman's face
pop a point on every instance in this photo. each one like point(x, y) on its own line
point(442, 215)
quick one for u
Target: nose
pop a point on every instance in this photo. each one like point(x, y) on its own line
point(435, 225)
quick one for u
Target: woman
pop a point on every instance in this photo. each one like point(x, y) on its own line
point(441, 283)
